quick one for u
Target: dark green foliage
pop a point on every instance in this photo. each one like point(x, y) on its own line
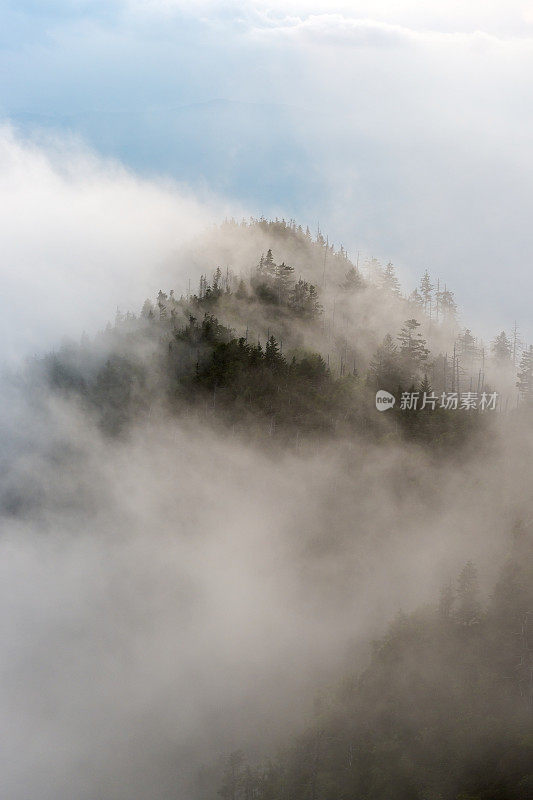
point(303, 300)
point(62, 375)
point(198, 361)
point(384, 369)
point(245, 382)
point(273, 282)
point(118, 393)
point(413, 350)
point(437, 713)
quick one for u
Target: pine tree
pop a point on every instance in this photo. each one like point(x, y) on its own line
point(273, 355)
point(202, 288)
point(425, 386)
point(417, 300)
point(284, 280)
point(501, 348)
point(147, 310)
point(241, 293)
point(516, 344)
point(413, 348)
point(447, 306)
point(162, 304)
point(389, 281)
point(525, 375)
point(353, 281)
point(269, 267)
point(303, 299)
point(374, 271)
point(384, 368)
point(467, 343)
point(216, 281)
point(426, 290)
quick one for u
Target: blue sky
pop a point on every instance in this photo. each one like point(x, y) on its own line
point(405, 128)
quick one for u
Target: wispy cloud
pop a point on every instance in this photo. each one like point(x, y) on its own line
point(80, 235)
point(337, 29)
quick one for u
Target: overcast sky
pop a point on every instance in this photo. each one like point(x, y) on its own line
point(403, 127)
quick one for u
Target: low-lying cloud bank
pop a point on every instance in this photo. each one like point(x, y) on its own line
point(171, 595)
point(79, 235)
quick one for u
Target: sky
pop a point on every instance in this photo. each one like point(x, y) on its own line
point(402, 129)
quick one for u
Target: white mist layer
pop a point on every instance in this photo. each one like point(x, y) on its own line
point(170, 596)
point(79, 236)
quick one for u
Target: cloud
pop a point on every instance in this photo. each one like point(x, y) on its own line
point(176, 593)
point(407, 18)
point(336, 29)
point(82, 235)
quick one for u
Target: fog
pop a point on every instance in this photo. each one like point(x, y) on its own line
point(183, 590)
point(75, 230)
point(173, 595)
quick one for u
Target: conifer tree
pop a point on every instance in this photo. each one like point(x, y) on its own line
point(467, 343)
point(447, 306)
point(384, 368)
point(216, 280)
point(273, 355)
point(389, 281)
point(303, 299)
point(147, 310)
point(284, 279)
point(413, 348)
point(501, 348)
point(425, 386)
point(162, 304)
point(525, 375)
point(241, 292)
point(374, 270)
point(353, 281)
point(417, 300)
point(269, 267)
point(426, 290)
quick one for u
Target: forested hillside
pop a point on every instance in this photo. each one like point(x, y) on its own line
point(294, 352)
point(270, 365)
point(443, 709)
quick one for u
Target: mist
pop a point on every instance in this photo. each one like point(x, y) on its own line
point(82, 234)
point(175, 593)
point(183, 587)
